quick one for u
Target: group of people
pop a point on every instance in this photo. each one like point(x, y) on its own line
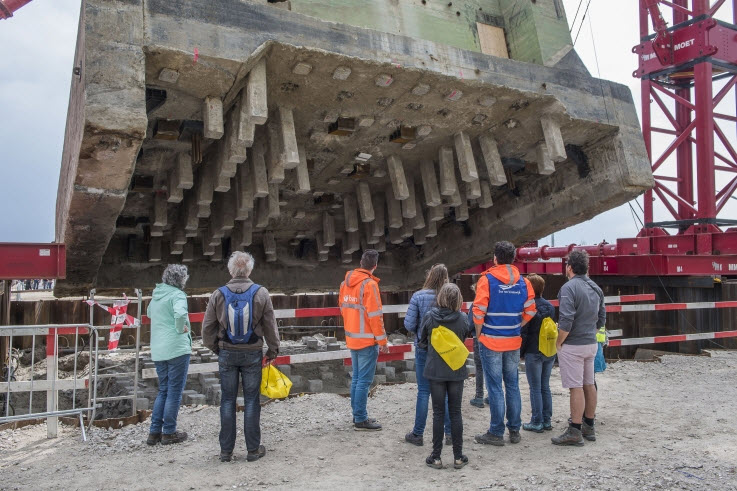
point(505, 320)
point(37, 284)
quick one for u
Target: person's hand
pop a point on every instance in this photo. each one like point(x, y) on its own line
point(384, 349)
point(267, 361)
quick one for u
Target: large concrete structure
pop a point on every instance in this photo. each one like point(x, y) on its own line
point(426, 129)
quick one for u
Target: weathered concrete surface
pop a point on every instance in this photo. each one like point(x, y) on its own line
point(501, 98)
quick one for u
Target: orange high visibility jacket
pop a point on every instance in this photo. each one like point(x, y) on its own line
point(360, 305)
point(503, 307)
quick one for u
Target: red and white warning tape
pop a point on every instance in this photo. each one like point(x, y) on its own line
point(671, 306)
point(676, 338)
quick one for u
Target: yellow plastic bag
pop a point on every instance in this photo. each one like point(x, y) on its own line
point(274, 384)
point(548, 337)
point(449, 347)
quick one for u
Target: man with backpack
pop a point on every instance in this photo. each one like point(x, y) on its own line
point(505, 301)
point(581, 314)
point(238, 318)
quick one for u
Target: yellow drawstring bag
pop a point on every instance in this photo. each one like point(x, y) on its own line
point(449, 347)
point(274, 384)
point(548, 337)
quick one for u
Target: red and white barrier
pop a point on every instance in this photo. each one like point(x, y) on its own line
point(671, 306)
point(676, 338)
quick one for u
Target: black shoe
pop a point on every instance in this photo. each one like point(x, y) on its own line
point(413, 439)
point(367, 426)
point(477, 402)
point(434, 462)
point(514, 436)
point(257, 454)
point(448, 439)
point(489, 439)
point(176, 437)
point(226, 457)
point(153, 439)
point(548, 426)
point(370, 420)
point(460, 462)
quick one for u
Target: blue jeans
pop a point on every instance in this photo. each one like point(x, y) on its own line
point(537, 369)
point(172, 378)
point(423, 396)
point(364, 369)
point(240, 367)
point(498, 366)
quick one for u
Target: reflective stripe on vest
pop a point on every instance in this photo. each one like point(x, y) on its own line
point(361, 334)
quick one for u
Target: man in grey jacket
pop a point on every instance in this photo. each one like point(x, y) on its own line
point(241, 359)
point(582, 313)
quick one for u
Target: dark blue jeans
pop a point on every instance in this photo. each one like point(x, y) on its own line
point(502, 366)
point(538, 368)
point(364, 369)
point(479, 368)
point(172, 378)
point(423, 396)
point(240, 367)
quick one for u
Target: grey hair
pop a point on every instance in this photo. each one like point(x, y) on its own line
point(175, 275)
point(240, 264)
point(579, 262)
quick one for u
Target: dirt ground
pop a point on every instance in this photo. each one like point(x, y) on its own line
point(667, 425)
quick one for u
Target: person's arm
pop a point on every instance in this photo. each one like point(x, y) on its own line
point(375, 314)
point(530, 309)
point(566, 314)
point(424, 336)
point(601, 322)
point(211, 325)
point(181, 314)
point(412, 318)
point(480, 303)
point(268, 323)
point(524, 332)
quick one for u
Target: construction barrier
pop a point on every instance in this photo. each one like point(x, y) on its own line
point(675, 338)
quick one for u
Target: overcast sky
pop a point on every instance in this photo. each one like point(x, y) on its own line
point(36, 68)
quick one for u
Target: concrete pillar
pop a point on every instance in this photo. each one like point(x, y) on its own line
point(351, 214)
point(269, 243)
point(485, 201)
point(174, 194)
point(246, 128)
point(243, 193)
point(328, 229)
point(365, 204)
point(207, 248)
point(448, 185)
point(466, 162)
point(217, 254)
point(377, 226)
point(203, 211)
point(435, 213)
point(407, 229)
point(398, 178)
point(190, 221)
point(409, 205)
point(160, 216)
point(455, 199)
point(368, 234)
point(351, 242)
point(183, 166)
point(322, 257)
point(473, 189)
point(346, 258)
point(175, 249)
point(156, 231)
point(288, 141)
point(262, 213)
point(394, 209)
point(545, 166)
point(492, 160)
point(222, 184)
point(321, 247)
point(258, 171)
point(431, 228)
point(242, 235)
point(419, 236)
point(381, 245)
point(224, 209)
point(395, 235)
point(303, 175)
point(419, 220)
point(461, 210)
point(179, 237)
point(188, 252)
point(553, 139)
point(205, 184)
point(274, 159)
point(214, 232)
point(212, 118)
point(273, 198)
point(154, 250)
point(236, 150)
point(256, 92)
point(430, 183)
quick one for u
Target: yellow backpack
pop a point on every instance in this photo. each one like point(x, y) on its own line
point(449, 347)
point(548, 337)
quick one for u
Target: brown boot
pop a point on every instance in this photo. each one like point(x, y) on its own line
point(572, 436)
point(588, 432)
point(153, 439)
point(176, 437)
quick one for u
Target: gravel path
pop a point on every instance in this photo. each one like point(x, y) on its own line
point(662, 425)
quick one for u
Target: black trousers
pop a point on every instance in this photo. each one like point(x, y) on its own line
point(438, 392)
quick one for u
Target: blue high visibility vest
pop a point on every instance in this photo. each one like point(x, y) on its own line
point(506, 305)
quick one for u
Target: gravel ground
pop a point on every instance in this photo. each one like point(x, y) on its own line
point(661, 425)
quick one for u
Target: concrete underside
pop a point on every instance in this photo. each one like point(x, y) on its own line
point(115, 163)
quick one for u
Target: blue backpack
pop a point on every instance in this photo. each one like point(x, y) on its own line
point(240, 315)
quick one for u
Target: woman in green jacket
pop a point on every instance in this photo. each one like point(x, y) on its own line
point(171, 346)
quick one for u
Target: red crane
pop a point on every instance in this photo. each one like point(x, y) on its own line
point(7, 7)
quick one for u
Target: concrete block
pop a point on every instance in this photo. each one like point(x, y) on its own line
point(418, 222)
point(464, 152)
point(346, 258)
point(545, 166)
point(240, 401)
point(257, 169)
point(473, 189)
point(351, 242)
point(485, 201)
point(314, 385)
point(455, 198)
point(350, 212)
point(174, 194)
point(407, 229)
point(419, 236)
point(430, 183)
point(408, 364)
point(274, 156)
point(379, 379)
point(311, 343)
point(183, 171)
point(395, 235)
point(194, 399)
point(235, 150)
point(553, 138)
point(380, 366)
point(205, 184)
point(142, 403)
point(333, 347)
point(303, 176)
point(390, 373)
point(256, 91)
point(492, 160)
point(154, 250)
point(435, 214)
point(289, 151)
point(244, 195)
point(341, 73)
point(368, 234)
point(269, 243)
point(160, 218)
point(365, 202)
point(273, 201)
point(448, 184)
point(261, 213)
point(381, 246)
point(212, 118)
point(327, 376)
point(328, 230)
point(206, 379)
point(394, 209)
point(379, 206)
point(188, 253)
point(409, 376)
point(397, 177)
point(409, 205)
point(461, 210)
point(149, 364)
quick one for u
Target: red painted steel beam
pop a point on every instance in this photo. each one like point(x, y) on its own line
point(31, 261)
point(7, 7)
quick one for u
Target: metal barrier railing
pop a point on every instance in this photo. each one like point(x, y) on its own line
point(53, 384)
